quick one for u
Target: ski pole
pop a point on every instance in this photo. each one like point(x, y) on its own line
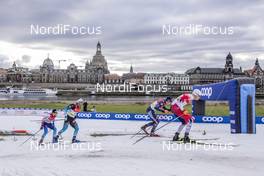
point(137, 133)
point(166, 124)
point(30, 137)
point(140, 139)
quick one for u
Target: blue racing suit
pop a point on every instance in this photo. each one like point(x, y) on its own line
point(70, 119)
point(158, 105)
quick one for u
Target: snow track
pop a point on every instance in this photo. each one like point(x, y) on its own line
point(119, 157)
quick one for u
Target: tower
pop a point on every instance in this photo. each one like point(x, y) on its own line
point(97, 67)
point(98, 48)
point(131, 69)
point(14, 66)
point(257, 63)
point(229, 64)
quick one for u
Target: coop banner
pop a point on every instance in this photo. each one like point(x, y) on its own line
point(162, 117)
point(115, 116)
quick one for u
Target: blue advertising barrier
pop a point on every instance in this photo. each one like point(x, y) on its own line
point(240, 95)
point(162, 117)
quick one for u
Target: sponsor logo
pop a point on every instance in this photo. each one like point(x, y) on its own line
point(19, 112)
point(262, 119)
point(141, 116)
point(3, 112)
point(165, 117)
point(207, 91)
point(233, 121)
point(84, 115)
point(212, 119)
point(34, 113)
point(232, 112)
point(104, 116)
point(122, 116)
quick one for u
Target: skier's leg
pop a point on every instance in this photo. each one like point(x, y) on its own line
point(76, 130)
point(152, 116)
point(180, 114)
point(44, 134)
point(54, 129)
point(187, 132)
point(188, 128)
point(64, 128)
point(180, 128)
point(188, 123)
point(156, 123)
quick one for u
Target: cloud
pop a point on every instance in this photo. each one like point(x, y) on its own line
point(26, 59)
point(132, 31)
point(4, 61)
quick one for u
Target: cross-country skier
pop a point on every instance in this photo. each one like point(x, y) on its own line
point(70, 119)
point(48, 122)
point(186, 119)
point(159, 105)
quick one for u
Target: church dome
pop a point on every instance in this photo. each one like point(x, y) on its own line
point(48, 63)
point(98, 58)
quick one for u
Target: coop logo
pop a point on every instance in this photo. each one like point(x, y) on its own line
point(262, 119)
point(84, 115)
point(141, 116)
point(104, 116)
point(3, 112)
point(212, 119)
point(207, 91)
point(122, 116)
point(165, 117)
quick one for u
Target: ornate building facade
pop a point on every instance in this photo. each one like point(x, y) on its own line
point(257, 73)
point(166, 78)
point(199, 75)
point(93, 73)
point(18, 74)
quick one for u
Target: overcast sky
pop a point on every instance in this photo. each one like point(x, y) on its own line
point(131, 33)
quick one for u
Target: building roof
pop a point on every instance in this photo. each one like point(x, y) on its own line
point(112, 76)
point(255, 69)
point(133, 76)
point(211, 70)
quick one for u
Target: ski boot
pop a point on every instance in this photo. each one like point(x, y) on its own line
point(55, 139)
point(154, 135)
point(41, 141)
point(176, 137)
point(186, 138)
point(143, 128)
point(74, 140)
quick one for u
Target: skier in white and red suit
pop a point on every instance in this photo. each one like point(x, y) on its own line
point(186, 119)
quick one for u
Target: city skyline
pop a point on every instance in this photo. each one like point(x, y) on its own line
point(57, 66)
point(130, 38)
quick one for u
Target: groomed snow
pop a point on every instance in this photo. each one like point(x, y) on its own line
point(116, 156)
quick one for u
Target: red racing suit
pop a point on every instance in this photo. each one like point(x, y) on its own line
point(177, 108)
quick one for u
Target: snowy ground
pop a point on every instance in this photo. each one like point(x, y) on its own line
point(116, 156)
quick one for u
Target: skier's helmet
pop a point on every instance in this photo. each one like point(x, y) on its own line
point(168, 99)
point(70, 106)
point(79, 101)
point(197, 92)
point(73, 106)
point(54, 111)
